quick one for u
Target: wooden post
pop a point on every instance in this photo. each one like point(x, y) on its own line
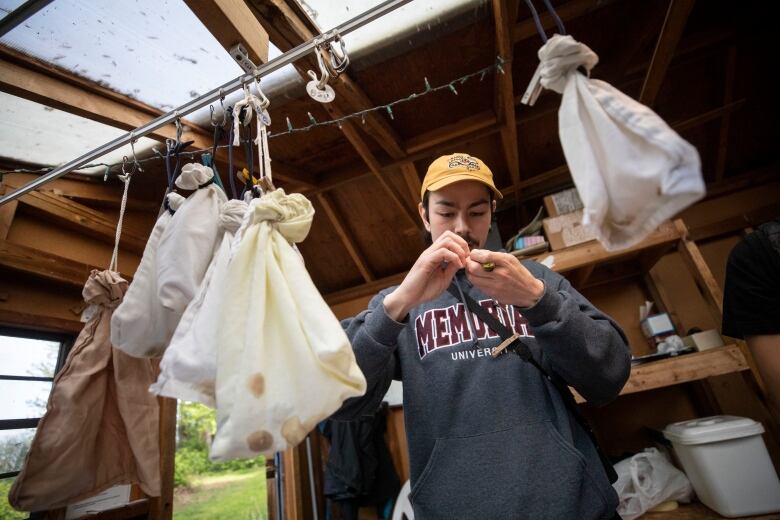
point(162, 506)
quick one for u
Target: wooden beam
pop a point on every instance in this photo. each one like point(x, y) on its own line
point(7, 213)
point(412, 182)
point(568, 11)
point(83, 219)
point(287, 29)
point(231, 22)
point(337, 221)
point(706, 282)
point(674, 25)
point(363, 150)
point(504, 95)
point(363, 290)
point(161, 508)
point(13, 318)
point(40, 86)
point(293, 484)
point(725, 123)
point(447, 133)
point(44, 265)
point(85, 191)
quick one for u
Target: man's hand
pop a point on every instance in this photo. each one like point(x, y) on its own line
point(430, 275)
point(509, 283)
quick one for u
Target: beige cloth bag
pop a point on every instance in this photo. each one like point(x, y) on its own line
point(284, 363)
point(101, 424)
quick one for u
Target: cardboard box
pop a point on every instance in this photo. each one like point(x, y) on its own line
point(562, 203)
point(566, 231)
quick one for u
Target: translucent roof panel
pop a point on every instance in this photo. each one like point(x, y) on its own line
point(38, 134)
point(7, 6)
point(419, 15)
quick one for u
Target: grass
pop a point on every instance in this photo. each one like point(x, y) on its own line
point(239, 495)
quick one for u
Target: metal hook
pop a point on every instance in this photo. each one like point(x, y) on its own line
point(323, 80)
point(339, 60)
point(136, 163)
point(264, 101)
point(179, 130)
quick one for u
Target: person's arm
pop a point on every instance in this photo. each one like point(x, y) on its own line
point(374, 337)
point(583, 345)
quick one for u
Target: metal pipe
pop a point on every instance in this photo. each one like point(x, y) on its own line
point(165, 119)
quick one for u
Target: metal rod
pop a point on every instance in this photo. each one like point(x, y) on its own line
point(20, 14)
point(187, 108)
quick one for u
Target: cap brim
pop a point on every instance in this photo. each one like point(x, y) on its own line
point(434, 186)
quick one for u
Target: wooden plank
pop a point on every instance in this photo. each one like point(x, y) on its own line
point(82, 190)
point(447, 133)
point(705, 281)
point(352, 248)
point(683, 369)
point(293, 486)
point(593, 252)
point(83, 219)
point(231, 22)
point(135, 509)
point(43, 264)
point(363, 290)
point(504, 98)
point(412, 182)
point(672, 30)
point(725, 123)
point(27, 320)
point(7, 213)
point(162, 506)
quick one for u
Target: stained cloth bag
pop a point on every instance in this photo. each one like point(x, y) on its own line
point(188, 369)
point(141, 326)
point(631, 169)
point(188, 243)
point(284, 362)
point(100, 428)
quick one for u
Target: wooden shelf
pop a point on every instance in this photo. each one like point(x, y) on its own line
point(590, 261)
point(683, 369)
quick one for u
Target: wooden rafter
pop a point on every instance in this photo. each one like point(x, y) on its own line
point(287, 28)
point(352, 248)
point(43, 265)
point(504, 96)
point(674, 24)
point(231, 23)
point(83, 219)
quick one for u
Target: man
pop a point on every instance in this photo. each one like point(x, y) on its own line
point(488, 437)
point(751, 303)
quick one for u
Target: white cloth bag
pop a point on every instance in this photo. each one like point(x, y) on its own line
point(631, 169)
point(646, 480)
point(284, 362)
point(188, 243)
point(141, 326)
point(188, 369)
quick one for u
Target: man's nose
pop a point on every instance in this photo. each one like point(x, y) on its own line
point(461, 225)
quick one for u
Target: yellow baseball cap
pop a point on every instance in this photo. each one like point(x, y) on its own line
point(454, 168)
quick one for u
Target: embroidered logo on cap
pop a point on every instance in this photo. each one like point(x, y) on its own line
point(464, 160)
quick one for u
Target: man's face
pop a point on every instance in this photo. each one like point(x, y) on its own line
point(461, 207)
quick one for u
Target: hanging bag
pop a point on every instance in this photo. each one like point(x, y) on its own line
point(284, 362)
point(632, 171)
point(188, 369)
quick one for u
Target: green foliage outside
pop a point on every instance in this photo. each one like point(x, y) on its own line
point(237, 495)
point(197, 425)
point(6, 511)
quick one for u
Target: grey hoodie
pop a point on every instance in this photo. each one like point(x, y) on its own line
point(491, 438)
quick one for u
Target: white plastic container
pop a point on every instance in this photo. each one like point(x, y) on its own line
point(726, 460)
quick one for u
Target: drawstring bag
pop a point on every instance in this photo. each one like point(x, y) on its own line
point(100, 428)
point(141, 326)
point(188, 244)
point(284, 362)
point(188, 368)
point(631, 169)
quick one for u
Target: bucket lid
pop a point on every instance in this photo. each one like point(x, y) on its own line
point(712, 429)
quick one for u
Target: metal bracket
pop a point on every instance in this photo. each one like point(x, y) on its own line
point(239, 53)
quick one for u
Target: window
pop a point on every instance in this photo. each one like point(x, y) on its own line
point(29, 362)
